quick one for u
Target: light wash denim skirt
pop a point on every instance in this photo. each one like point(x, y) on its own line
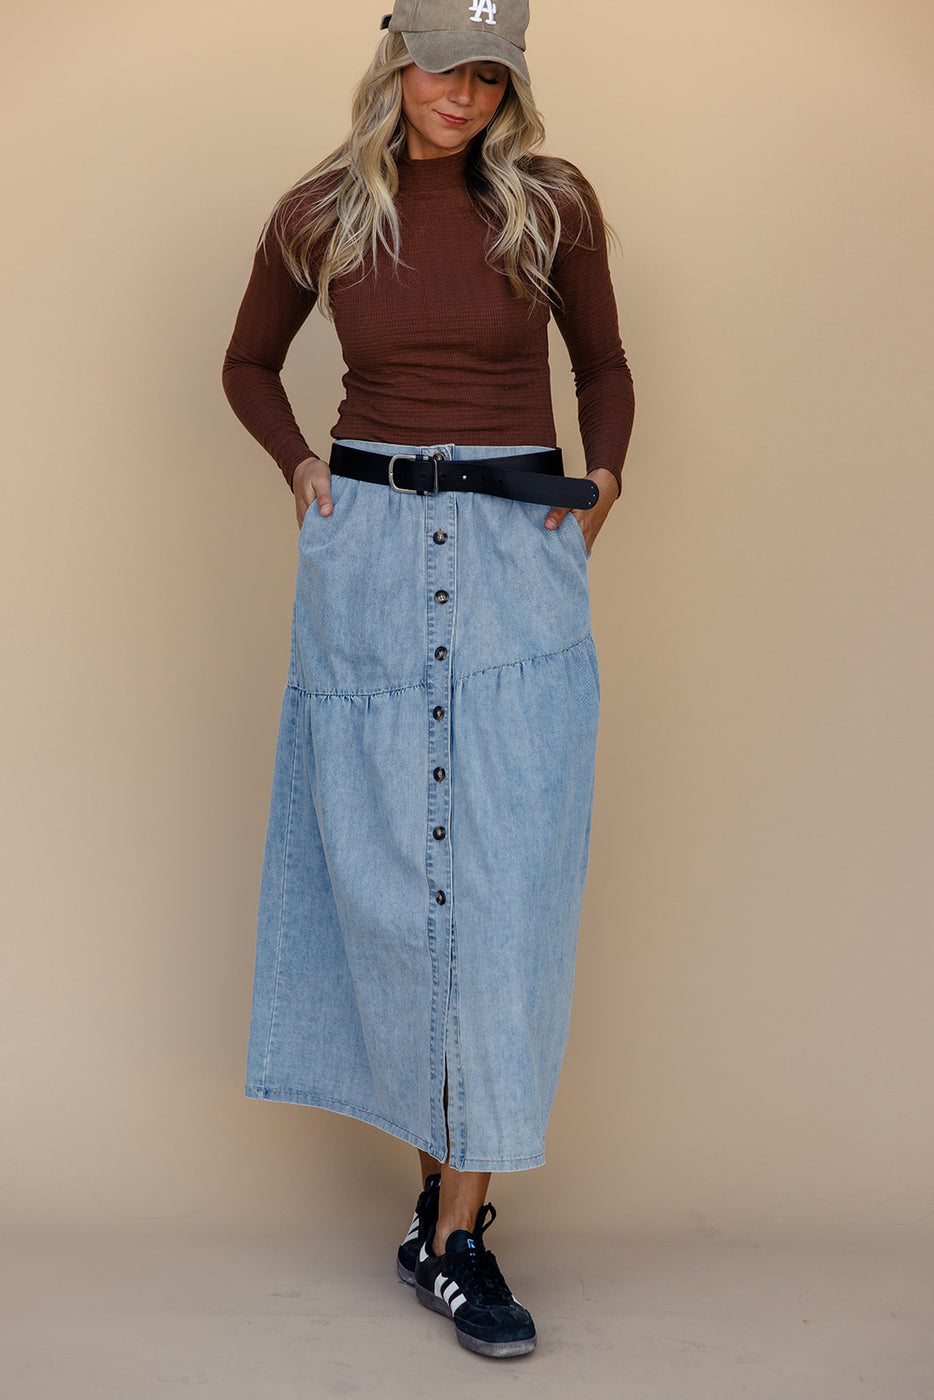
point(430, 820)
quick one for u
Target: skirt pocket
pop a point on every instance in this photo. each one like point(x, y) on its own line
point(359, 622)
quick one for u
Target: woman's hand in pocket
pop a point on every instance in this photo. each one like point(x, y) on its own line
point(590, 521)
point(311, 484)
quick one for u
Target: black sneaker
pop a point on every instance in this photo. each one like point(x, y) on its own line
point(423, 1223)
point(465, 1283)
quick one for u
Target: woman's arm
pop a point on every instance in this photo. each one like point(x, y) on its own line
point(273, 310)
point(589, 325)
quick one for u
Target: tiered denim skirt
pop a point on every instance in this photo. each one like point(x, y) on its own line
point(430, 820)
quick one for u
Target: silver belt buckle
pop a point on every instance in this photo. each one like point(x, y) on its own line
point(412, 457)
point(401, 457)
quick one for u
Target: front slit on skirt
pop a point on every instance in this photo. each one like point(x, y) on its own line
point(430, 820)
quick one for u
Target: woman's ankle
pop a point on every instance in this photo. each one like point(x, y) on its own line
point(428, 1166)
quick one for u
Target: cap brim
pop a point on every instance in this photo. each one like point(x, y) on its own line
point(441, 49)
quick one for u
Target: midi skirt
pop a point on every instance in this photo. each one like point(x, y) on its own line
point(430, 820)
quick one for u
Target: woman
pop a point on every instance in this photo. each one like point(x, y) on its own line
point(432, 795)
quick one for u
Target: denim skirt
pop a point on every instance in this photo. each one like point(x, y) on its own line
point(430, 819)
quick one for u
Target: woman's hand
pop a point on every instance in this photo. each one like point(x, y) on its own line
point(311, 482)
point(590, 521)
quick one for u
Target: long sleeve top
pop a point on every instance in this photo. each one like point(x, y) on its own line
point(439, 348)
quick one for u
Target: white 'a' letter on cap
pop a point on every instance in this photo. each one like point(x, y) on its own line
point(483, 10)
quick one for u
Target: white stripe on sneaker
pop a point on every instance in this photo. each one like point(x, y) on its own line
point(448, 1291)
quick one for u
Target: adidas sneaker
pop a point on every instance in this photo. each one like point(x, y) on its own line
point(423, 1223)
point(465, 1284)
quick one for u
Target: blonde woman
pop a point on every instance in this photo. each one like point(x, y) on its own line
point(432, 796)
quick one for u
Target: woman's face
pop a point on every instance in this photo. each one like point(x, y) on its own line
point(445, 111)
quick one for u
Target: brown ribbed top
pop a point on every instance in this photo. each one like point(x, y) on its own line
point(440, 349)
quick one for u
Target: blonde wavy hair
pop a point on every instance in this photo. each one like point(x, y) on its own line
point(348, 199)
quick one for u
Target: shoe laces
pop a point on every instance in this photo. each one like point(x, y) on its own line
point(476, 1269)
point(427, 1202)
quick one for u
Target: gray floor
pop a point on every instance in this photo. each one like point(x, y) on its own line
point(135, 1316)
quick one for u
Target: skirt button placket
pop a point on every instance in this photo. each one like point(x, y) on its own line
point(441, 604)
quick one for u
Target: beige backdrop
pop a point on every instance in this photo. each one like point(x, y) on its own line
point(752, 1040)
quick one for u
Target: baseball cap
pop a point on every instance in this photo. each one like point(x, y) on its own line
point(440, 34)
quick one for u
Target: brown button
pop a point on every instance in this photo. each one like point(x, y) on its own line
point(438, 712)
point(439, 537)
point(441, 897)
point(439, 833)
point(440, 775)
point(441, 596)
point(440, 653)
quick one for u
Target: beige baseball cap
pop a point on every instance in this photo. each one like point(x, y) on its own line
point(440, 34)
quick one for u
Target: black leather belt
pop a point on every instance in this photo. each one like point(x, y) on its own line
point(539, 481)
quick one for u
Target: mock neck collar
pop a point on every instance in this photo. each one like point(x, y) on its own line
point(442, 173)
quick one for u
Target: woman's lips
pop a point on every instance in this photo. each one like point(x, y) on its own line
point(452, 121)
